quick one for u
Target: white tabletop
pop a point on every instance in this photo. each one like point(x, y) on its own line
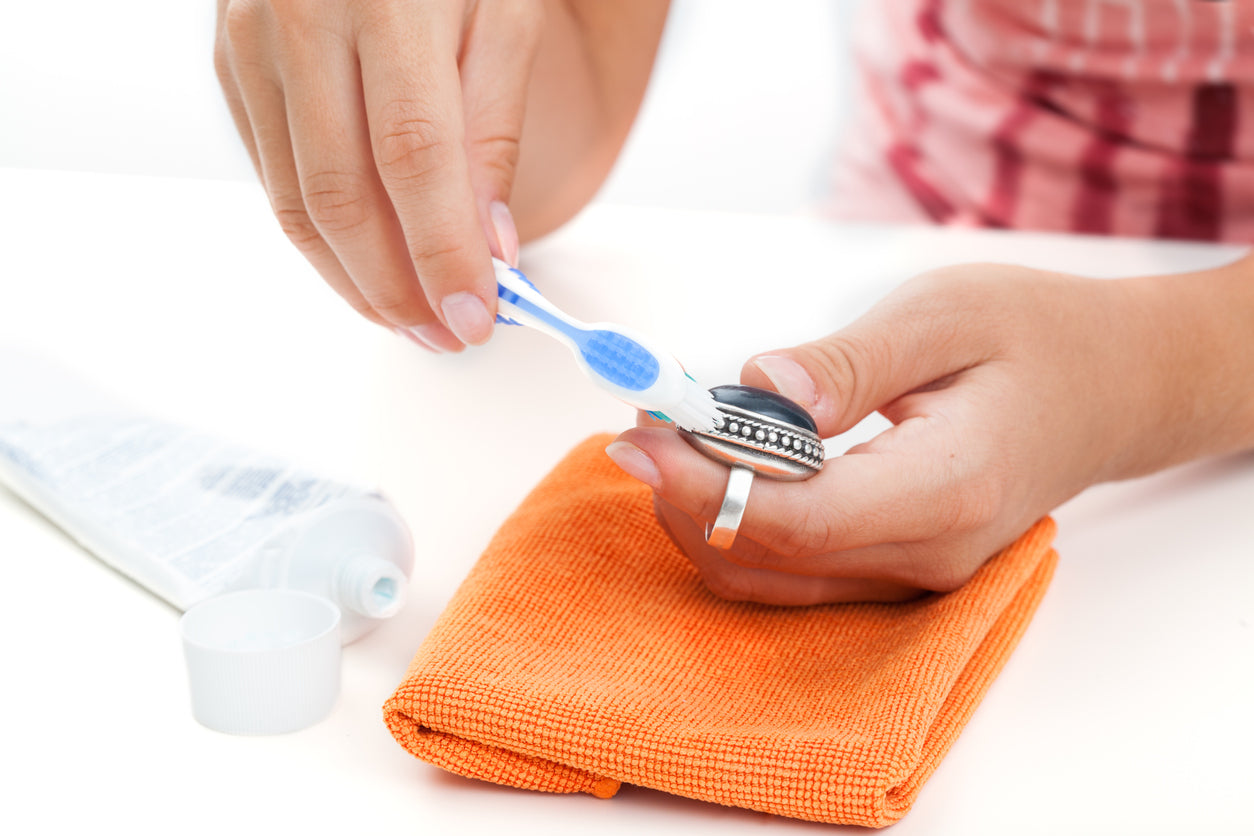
point(1127, 707)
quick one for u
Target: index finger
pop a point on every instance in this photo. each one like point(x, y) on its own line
point(858, 500)
point(414, 110)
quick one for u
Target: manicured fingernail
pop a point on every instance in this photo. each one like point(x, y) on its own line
point(789, 378)
point(415, 339)
point(438, 337)
point(506, 232)
point(635, 463)
point(467, 317)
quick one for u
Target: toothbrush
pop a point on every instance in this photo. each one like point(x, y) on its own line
point(618, 360)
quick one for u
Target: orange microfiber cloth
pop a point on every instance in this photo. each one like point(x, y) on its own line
point(582, 652)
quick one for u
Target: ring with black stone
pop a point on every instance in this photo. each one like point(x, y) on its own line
point(757, 431)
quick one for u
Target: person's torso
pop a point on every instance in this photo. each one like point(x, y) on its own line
point(1104, 116)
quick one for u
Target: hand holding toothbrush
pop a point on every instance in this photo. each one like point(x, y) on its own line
point(391, 139)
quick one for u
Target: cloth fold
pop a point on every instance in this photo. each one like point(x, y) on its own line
point(582, 652)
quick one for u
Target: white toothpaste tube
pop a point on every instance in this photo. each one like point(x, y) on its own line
point(190, 516)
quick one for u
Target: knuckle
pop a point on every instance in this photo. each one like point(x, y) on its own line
point(970, 510)
point(954, 279)
point(221, 59)
point(409, 145)
point(803, 534)
point(978, 505)
point(934, 567)
point(440, 258)
point(973, 503)
point(942, 293)
point(337, 202)
point(222, 69)
point(727, 583)
point(240, 21)
point(787, 539)
point(840, 360)
point(940, 279)
point(497, 155)
point(395, 304)
point(949, 575)
point(525, 19)
point(364, 308)
point(709, 505)
point(297, 225)
point(288, 9)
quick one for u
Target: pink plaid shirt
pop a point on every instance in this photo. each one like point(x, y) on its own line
point(1122, 117)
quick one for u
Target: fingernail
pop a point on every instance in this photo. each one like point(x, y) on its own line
point(415, 339)
point(788, 377)
point(438, 337)
point(506, 232)
point(467, 317)
point(635, 463)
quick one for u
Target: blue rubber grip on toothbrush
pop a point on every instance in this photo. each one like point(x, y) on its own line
point(501, 319)
point(616, 358)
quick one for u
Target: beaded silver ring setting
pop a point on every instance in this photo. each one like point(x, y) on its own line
point(757, 432)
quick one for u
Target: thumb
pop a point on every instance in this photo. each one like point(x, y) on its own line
point(893, 349)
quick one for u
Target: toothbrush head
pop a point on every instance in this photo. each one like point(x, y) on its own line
point(628, 366)
point(697, 411)
point(620, 360)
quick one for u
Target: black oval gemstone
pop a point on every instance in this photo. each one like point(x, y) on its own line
point(765, 403)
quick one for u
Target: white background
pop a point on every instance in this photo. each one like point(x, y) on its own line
point(741, 112)
point(1126, 709)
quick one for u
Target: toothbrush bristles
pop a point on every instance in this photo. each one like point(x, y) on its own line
point(698, 411)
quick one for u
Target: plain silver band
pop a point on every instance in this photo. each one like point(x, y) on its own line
point(722, 534)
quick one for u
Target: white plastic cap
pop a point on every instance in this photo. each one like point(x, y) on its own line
point(262, 661)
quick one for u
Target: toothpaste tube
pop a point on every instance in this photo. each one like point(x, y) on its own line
point(190, 516)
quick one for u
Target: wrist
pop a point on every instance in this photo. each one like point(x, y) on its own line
point(1188, 357)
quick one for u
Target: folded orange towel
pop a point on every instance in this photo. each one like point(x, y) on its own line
point(582, 651)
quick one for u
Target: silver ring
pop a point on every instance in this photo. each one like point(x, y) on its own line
point(722, 533)
point(763, 431)
point(756, 432)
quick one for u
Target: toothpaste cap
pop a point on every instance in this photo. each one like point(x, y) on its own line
point(262, 661)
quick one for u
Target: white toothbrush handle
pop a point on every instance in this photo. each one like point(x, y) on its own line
point(616, 359)
point(520, 302)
